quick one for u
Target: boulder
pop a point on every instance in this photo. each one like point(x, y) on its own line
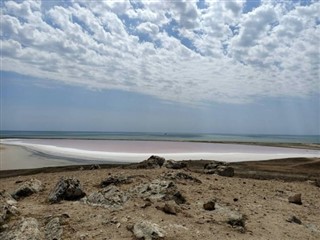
point(210, 205)
point(66, 189)
point(115, 181)
point(162, 190)
point(7, 207)
point(53, 229)
point(152, 162)
point(296, 199)
point(27, 188)
point(26, 229)
point(317, 182)
point(171, 164)
point(109, 197)
point(147, 231)
point(225, 171)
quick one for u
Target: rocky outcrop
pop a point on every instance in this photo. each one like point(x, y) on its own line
point(171, 164)
point(66, 189)
point(147, 231)
point(109, 197)
point(7, 207)
point(162, 190)
point(26, 229)
point(180, 176)
point(296, 199)
point(219, 168)
point(152, 162)
point(53, 229)
point(115, 181)
point(27, 188)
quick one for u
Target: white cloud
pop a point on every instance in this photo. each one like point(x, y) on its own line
point(218, 53)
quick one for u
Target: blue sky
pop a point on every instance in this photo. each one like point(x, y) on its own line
point(170, 66)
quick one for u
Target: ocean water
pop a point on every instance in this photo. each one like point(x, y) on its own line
point(197, 137)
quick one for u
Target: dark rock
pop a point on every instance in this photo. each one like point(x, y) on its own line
point(235, 199)
point(152, 162)
point(115, 181)
point(7, 207)
point(53, 229)
point(296, 199)
point(294, 219)
point(238, 222)
point(27, 188)
point(225, 171)
point(157, 189)
point(210, 205)
point(175, 164)
point(66, 189)
point(181, 176)
point(147, 231)
point(27, 228)
point(95, 166)
point(109, 197)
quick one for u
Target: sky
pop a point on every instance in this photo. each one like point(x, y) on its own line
point(237, 67)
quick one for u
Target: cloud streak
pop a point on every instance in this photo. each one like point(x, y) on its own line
point(177, 51)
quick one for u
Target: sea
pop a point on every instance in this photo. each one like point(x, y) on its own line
point(162, 136)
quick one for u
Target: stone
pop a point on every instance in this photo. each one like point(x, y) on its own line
point(296, 199)
point(27, 188)
point(225, 171)
point(26, 229)
point(7, 207)
point(169, 208)
point(152, 162)
point(210, 205)
point(180, 176)
point(115, 181)
point(294, 219)
point(162, 190)
point(109, 197)
point(53, 229)
point(95, 166)
point(171, 164)
point(238, 222)
point(69, 189)
point(147, 231)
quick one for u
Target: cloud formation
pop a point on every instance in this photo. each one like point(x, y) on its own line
point(181, 51)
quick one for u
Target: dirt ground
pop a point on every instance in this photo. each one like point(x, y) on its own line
point(262, 203)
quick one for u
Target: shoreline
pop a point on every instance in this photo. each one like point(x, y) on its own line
point(298, 145)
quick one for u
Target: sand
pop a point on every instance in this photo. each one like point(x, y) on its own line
point(263, 202)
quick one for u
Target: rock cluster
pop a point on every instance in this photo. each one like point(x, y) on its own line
point(152, 162)
point(109, 197)
point(171, 164)
point(219, 168)
point(66, 189)
point(180, 176)
point(115, 181)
